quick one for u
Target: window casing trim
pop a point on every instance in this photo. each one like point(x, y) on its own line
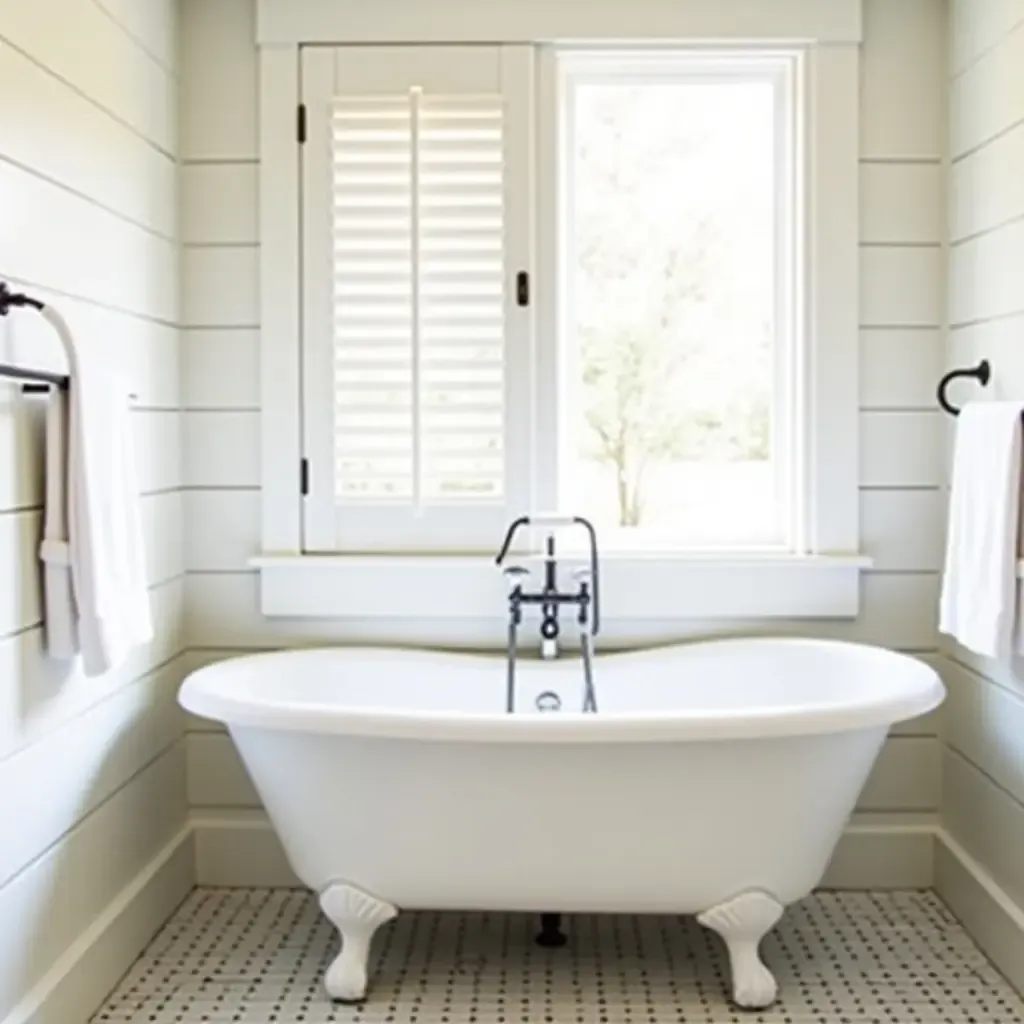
point(296, 22)
point(824, 583)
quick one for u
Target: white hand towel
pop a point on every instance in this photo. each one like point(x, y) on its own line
point(60, 617)
point(105, 548)
point(978, 606)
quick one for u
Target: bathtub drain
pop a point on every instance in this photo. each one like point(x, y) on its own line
point(548, 701)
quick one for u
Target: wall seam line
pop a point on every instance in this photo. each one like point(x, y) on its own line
point(29, 864)
point(140, 43)
point(127, 125)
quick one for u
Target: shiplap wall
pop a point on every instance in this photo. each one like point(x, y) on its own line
point(983, 757)
point(92, 774)
point(903, 138)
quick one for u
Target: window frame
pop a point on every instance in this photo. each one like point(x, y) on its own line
point(355, 528)
point(824, 581)
point(563, 68)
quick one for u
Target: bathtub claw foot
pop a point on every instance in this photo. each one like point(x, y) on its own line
point(357, 915)
point(743, 922)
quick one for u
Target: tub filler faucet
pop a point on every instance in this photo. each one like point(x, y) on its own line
point(586, 599)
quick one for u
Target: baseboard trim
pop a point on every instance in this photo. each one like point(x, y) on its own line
point(991, 917)
point(240, 848)
point(76, 985)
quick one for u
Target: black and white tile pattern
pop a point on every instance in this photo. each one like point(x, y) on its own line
point(256, 956)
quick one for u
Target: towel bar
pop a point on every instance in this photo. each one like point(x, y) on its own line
point(982, 373)
point(40, 380)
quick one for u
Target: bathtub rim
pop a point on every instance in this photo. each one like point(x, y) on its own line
point(928, 693)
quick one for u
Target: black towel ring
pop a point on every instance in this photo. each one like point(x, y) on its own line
point(982, 373)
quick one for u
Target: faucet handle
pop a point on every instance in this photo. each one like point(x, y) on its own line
point(514, 576)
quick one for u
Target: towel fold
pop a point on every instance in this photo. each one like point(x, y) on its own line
point(979, 605)
point(59, 616)
point(96, 597)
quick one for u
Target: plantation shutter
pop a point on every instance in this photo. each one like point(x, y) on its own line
point(410, 316)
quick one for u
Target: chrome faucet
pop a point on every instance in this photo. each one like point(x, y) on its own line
point(586, 598)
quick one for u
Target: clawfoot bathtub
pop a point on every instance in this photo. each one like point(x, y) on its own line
point(714, 779)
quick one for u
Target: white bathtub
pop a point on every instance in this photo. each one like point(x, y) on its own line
point(715, 779)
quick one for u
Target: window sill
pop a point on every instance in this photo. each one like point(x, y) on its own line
point(651, 587)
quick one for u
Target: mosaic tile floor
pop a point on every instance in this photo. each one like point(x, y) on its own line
point(256, 956)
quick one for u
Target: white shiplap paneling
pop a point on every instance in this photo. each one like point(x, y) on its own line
point(985, 723)
point(158, 434)
point(906, 776)
point(91, 770)
point(220, 286)
point(162, 522)
point(78, 767)
point(976, 26)
point(980, 868)
point(221, 369)
point(901, 286)
point(222, 449)
point(901, 449)
point(60, 894)
point(118, 76)
point(985, 100)
point(21, 482)
point(986, 820)
point(68, 139)
point(903, 530)
point(995, 340)
point(133, 270)
point(219, 204)
point(986, 188)
point(20, 599)
point(230, 532)
point(901, 203)
point(41, 694)
point(154, 26)
point(898, 611)
point(902, 69)
point(899, 368)
point(984, 283)
point(218, 86)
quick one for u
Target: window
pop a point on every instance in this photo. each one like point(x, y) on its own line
point(617, 280)
point(415, 204)
point(677, 275)
point(662, 404)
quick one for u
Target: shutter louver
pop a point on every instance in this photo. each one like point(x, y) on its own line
point(419, 304)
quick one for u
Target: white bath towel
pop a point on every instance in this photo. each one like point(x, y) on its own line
point(96, 495)
point(979, 604)
point(59, 616)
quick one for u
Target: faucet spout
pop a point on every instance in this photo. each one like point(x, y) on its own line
point(550, 599)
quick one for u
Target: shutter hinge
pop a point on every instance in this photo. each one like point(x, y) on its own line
point(304, 477)
point(300, 123)
point(523, 288)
